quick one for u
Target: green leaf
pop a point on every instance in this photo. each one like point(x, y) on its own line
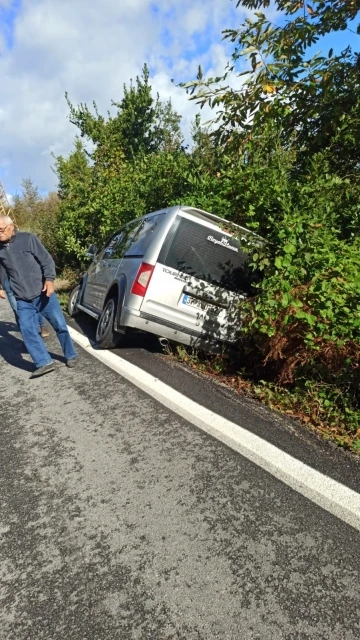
point(290, 248)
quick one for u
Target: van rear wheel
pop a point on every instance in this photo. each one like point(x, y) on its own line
point(106, 336)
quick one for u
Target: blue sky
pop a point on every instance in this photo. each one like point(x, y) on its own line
point(8, 13)
point(90, 48)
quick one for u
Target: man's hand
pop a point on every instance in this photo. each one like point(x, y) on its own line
point(2, 294)
point(49, 288)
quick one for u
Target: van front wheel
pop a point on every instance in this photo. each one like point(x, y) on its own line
point(106, 336)
point(72, 309)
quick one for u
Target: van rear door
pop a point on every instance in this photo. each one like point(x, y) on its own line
point(200, 276)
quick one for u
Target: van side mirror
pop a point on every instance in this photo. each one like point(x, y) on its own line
point(92, 251)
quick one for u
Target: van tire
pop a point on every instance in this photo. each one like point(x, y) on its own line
point(106, 336)
point(72, 309)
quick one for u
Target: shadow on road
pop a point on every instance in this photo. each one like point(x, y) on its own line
point(12, 348)
point(135, 340)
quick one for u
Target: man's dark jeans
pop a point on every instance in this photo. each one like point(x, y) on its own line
point(39, 320)
point(51, 310)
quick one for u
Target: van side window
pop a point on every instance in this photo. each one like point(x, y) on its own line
point(119, 243)
point(142, 236)
point(109, 248)
point(119, 246)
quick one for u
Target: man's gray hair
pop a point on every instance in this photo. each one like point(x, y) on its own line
point(6, 219)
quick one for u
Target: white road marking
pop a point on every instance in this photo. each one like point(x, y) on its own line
point(323, 491)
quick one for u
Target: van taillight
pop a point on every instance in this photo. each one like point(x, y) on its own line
point(142, 279)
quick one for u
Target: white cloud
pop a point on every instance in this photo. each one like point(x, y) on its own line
point(90, 48)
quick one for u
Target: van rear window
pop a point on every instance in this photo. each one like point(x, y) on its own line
point(209, 255)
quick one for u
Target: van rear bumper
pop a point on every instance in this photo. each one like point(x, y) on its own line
point(165, 329)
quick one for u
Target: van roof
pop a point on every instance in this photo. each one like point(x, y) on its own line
point(200, 213)
point(212, 217)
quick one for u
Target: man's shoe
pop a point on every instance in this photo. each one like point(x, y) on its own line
point(47, 368)
point(72, 362)
point(44, 332)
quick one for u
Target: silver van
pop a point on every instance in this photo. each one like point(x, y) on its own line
point(178, 273)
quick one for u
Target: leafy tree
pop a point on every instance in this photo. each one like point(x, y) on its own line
point(136, 117)
point(167, 134)
point(38, 215)
point(75, 219)
point(141, 124)
point(133, 166)
point(318, 97)
point(27, 205)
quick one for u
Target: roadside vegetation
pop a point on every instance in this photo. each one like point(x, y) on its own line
point(281, 157)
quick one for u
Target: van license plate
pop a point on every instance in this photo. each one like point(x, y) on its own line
point(199, 304)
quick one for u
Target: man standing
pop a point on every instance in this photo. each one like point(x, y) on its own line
point(31, 273)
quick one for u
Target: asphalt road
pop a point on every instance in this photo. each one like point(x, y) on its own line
point(120, 520)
